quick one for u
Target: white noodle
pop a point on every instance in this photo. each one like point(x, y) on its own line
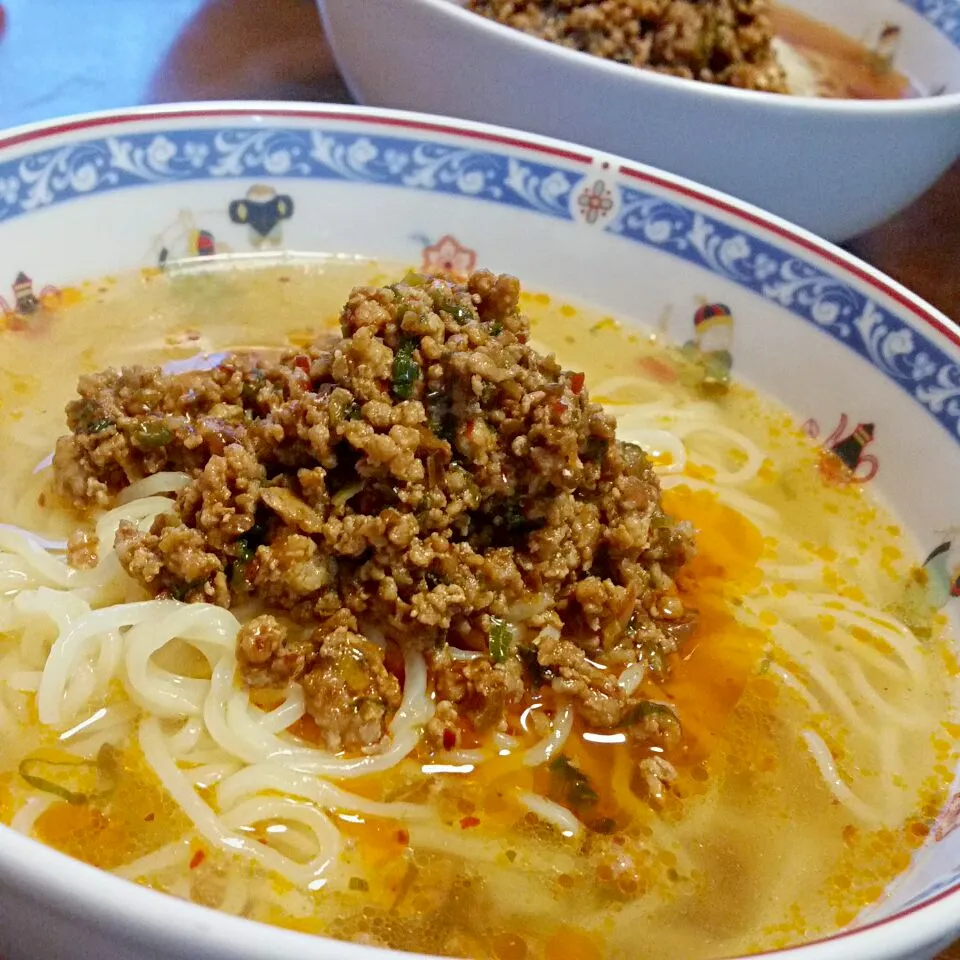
point(26, 681)
point(285, 715)
point(142, 513)
point(210, 774)
point(764, 516)
point(157, 754)
point(236, 895)
point(801, 572)
point(462, 757)
point(631, 678)
point(167, 482)
point(246, 733)
point(792, 683)
point(753, 457)
point(465, 656)
point(41, 566)
point(222, 832)
point(264, 809)
point(78, 643)
point(504, 741)
point(186, 738)
point(172, 855)
point(212, 630)
point(800, 650)
point(51, 546)
point(260, 778)
point(828, 770)
point(873, 699)
point(892, 632)
point(553, 743)
point(552, 813)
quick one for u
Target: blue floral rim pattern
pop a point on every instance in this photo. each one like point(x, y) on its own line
point(494, 175)
point(943, 14)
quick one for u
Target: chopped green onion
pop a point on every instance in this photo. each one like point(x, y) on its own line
point(648, 708)
point(344, 495)
point(570, 786)
point(406, 370)
point(500, 641)
point(44, 775)
point(150, 434)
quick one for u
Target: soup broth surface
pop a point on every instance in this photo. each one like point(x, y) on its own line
point(819, 659)
point(821, 61)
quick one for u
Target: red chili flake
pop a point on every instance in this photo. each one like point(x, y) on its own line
point(302, 362)
point(403, 836)
point(559, 407)
point(469, 428)
point(449, 739)
point(467, 822)
point(197, 859)
point(576, 383)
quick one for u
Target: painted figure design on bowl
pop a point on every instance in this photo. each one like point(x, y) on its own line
point(185, 239)
point(448, 256)
point(931, 587)
point(710, 351)
point(937, 582)
point(18, 314)
point(888, 45)
point(949, 820)
point(263, 211)
point(843, 459)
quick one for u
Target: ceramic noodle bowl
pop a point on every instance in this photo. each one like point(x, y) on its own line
point(871, 373)
point(835, 167)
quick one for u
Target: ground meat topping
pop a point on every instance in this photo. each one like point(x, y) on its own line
point(427, 479)
point(82, 550)
point(715, 41)
point(350, 694)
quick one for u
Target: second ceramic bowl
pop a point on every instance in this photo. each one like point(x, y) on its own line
point(837, 167)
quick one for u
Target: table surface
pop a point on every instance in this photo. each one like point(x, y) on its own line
point(107, 53)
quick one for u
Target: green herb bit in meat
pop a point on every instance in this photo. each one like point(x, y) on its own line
point(150, 434)
point(406, 370)
point(500, 640)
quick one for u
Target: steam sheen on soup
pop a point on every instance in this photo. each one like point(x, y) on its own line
point(376, 630)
